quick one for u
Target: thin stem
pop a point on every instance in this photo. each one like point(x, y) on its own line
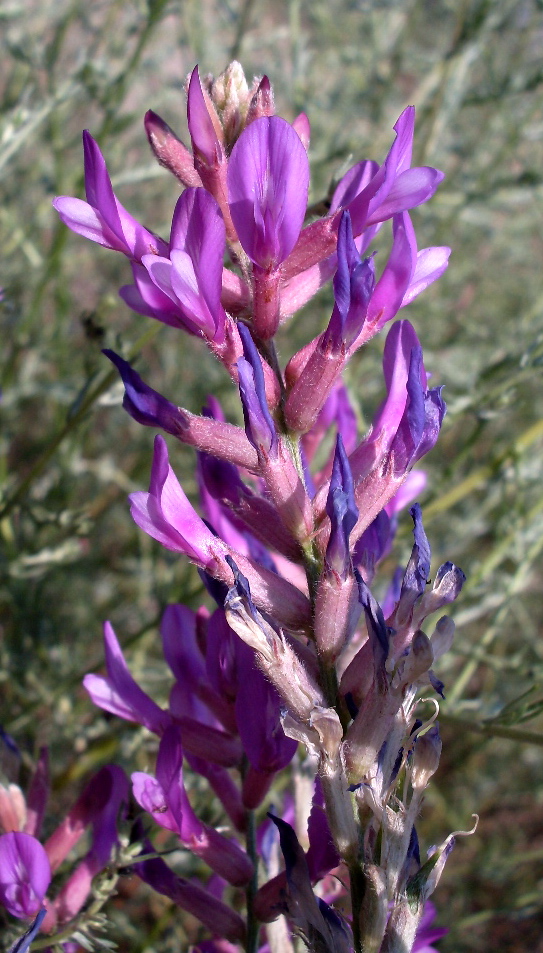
point(72, 422)
point(492, 730)
point(253, 926)
point(358, 889)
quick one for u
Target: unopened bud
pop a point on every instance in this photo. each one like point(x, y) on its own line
point(170, 151)
point(425, 758)
point(232, 98)
point(419, 659)
point(443, 636)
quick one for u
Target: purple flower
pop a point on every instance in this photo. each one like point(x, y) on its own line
point(25, 874)
point(268, 182)
point(408, 423)
point(165, 798)
point(342, 511)
point(353, 287)
point(418, 568)
point(215, 915)
point(320, 925)
point(166, 514)
point(203, 123)
point(102, 218)
point(396, 187)
point(119, 693)
point(258, 714)
point(192, 274)
point(259, 425)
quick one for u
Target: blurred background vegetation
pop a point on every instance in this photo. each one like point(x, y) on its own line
point(70, 554)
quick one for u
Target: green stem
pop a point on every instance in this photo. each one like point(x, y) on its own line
point(492, 730)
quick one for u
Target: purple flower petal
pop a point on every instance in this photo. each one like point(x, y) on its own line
point(392, 286)
point(119, 693)
point(203, 134)
point(104, 219)
point(412, 188)
point(215, 915)
point(259, 426)
point(430, 265)
point(144, 297)
point(342, 511)
point(353, 287)
point(166, 514)
point(25, 874)
point(258, 713)
point(166, 799)
point(268, 182)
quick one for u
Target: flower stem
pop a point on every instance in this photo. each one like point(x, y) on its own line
point(358, 888)
point(253, 927)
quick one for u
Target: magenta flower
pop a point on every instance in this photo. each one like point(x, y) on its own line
point(25, 874)
point(102, 218)
point(192, 274)
point(119, 693)
point(268, 182)
point(166, 514)
point(165, 798)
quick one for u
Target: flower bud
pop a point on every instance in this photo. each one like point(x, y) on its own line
point(442, 637)
point(425, 758)
point(419, 659)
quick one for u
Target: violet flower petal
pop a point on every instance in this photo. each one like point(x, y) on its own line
point(23, 943)
point(145, 297)
point(418, 567)
point(393, 284)
point(166, 514)
point(412, 188)
point(268, 182)
point(258, 712)
point(215, 915)
point(104, 219)
point(143, 403)
point(172, 806)
point(430, 265)
point(25, 874)
point(353, 287)
point(376, 626)
point(259, 426)
point(342, 511)
point(119, 693)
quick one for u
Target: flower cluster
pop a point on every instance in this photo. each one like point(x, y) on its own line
point(27, 866)
point(298, 651)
